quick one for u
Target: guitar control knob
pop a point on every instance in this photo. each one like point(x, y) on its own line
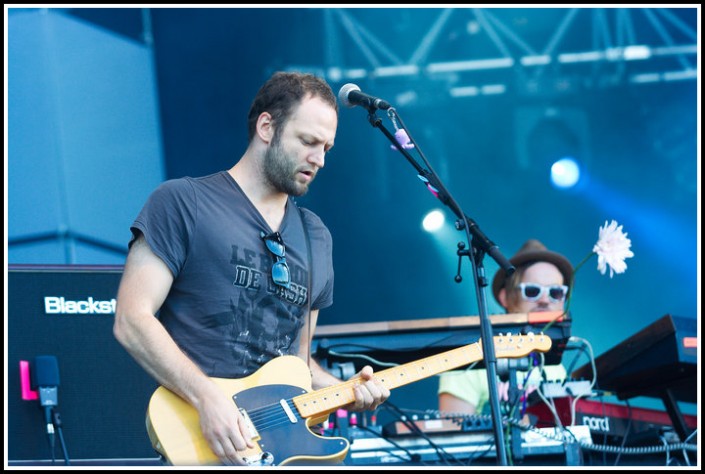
point(265, 459)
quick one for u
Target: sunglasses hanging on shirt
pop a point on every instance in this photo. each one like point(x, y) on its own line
point(280, 269)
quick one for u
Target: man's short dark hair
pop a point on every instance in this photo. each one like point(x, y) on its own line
point(284, 91)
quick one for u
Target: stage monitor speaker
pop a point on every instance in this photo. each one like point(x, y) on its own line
point(67, 312)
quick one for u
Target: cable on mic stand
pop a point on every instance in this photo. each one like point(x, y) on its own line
point(54, 428)
point(56, 420)
point(50, 432)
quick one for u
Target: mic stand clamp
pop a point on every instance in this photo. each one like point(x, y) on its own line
point(461, 253)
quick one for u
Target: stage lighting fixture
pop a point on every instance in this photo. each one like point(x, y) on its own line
point(565, 173)
point(433, 221)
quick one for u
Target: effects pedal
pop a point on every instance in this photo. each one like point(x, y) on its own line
point(569, 388)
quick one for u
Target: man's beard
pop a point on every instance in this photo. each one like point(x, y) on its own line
point(280, 170)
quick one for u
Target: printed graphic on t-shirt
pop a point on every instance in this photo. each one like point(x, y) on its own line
point(253, 271)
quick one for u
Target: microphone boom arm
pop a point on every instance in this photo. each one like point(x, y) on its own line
point(436, 187)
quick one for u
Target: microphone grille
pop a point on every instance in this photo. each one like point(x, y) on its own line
point(345, 91)
point(45, 372)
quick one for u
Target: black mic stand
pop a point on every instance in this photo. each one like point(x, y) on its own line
point(55, 427)
point(479, 246)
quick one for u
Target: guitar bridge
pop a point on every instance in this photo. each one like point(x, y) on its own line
point(250, 426)
point(255, 456)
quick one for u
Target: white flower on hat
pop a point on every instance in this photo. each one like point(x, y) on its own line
point(612, 248)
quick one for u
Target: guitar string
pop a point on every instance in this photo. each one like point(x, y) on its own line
point(261, 414)
point(265, 414)
point(269, 416)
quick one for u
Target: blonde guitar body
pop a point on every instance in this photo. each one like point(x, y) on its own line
point(280, 407)
point(173, 426)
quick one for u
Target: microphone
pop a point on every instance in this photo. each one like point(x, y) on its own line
point(45, 379)
point(350, 95)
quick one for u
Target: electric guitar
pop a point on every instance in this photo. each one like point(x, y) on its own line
point(280, 407)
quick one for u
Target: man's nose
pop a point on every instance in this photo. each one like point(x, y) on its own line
point(318, 157)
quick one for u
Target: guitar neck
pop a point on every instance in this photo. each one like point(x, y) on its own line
point(328, 399)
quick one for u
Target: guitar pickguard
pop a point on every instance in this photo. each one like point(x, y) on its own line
point(288, 441)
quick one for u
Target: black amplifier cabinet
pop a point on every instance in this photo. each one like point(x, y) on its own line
point(68, 312)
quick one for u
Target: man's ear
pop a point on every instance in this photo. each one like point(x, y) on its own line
point(502, 297)
point(265, 127)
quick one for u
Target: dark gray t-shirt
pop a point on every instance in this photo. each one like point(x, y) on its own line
point(223, 309)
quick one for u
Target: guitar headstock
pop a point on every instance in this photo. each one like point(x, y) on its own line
point(520, 345)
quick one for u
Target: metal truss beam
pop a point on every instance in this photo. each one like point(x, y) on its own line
point(614, 46)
